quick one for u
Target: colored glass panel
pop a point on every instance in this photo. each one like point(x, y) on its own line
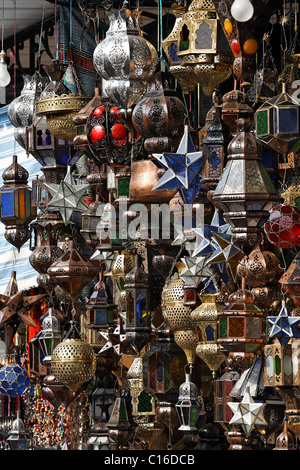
point(253, 327)
point(262, 122)
point(7, 204)
point(236, 327)
point(223, 327)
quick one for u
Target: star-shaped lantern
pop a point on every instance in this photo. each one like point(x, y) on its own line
point(183, 169)
point(284, 326)
point(67, 197)
point(195, 270)
point(247, 413)
point(116, 342)
point(16, 312)
point(105, 257)
point(208, 244)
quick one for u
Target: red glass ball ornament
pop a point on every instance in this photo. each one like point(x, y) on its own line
point(235, 46)
point(98, 133)
point(100, 111)
point(118, 131)
point(283, 226)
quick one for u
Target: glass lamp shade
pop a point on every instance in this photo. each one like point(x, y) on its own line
point(18, 439)
point(5, 77)
point(14, 380)
point(242, 10)
point(188, 409)
point(279, 364)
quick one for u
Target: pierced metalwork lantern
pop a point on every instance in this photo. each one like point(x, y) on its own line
point(180, 72)
point(124, 60)
point(142, 402)
point(245, 193)
point(277, 123)
point(261, 267)
point(18, 439)
point(235, 106)
point(16, 209)
point(290, 280)
point(138, 319)
point(80, 120)
point(205, 319)
point(201, 44)
point(49, 336)
point(188, 407)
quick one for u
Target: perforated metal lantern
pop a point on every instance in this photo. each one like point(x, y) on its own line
point(188, 407)
point(201, 44)
point(124, 60)
point(17, 210)
point(73, 363)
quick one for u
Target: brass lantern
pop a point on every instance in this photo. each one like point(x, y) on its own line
point(180, 72)
point(202, 45)
point(138, 319)
point(205, 319)
point(281, 367)
point(16, 209)
point(124, 60)
point(245, 193)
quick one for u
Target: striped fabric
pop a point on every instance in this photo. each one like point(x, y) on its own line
point(10, 259)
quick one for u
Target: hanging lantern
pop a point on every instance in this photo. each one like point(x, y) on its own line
point(109, 135)
point(49, 336)
point(244, 36)
point(142, 402)
point(283, 226)
point(290, 281)
point(58, 104)
point(159, 115)
point(80, 120)
point(122, 265)
point(36, 357)
point(203, 46)
point(222, 388)
point(163, 364)
point(277, 123)
point(281, 365)
point(73, 363)
point(90, 220)
point(16, 209)
point(121, 425)
point(204, 319)
point(103, 398)
point(245, 193)
point(261, 267)
point(188, 407)
point(99, 313)
point(124, 60)
point(180, 72)
point(235, 106)
point(21, 111)
point(14, 380)
point(72, 272)
point(18, 439)
point(138, 320)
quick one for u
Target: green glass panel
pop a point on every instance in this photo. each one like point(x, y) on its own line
point(194, 415)
point(223, 327)
point(80, 130)
point(123, 187)
point(262, 123)
point(277, 365)
point(145, 404)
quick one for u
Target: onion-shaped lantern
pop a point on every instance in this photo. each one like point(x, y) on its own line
point(125, 60)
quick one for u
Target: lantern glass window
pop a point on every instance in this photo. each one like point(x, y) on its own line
point(286, 120)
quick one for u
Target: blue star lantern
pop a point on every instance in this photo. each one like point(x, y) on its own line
point(183, 169)
point(284, 326)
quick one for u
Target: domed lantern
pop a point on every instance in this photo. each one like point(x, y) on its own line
point(49, 336)
point(99, 313)
point(203, 46)
point(188, 407)
point(124, 60)
point(16, 209)
point(245, 193)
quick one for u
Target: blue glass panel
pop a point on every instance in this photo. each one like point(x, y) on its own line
point(100, 315)
point(173, 53)
point(7, 199)
point(160, 372)
point(210, 333)
point(11, 376)
point(288, 120)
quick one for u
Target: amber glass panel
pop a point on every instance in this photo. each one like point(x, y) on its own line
point(236, 327)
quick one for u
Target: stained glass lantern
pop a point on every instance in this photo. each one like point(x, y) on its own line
point(204, 319)
point(180, 72)
point(108, 228)
point(36, 357)
point(283, 226)
point(277, 123)
point(281, 364)
point(138, 319)
point(14, 380)
point(245, 193)
point(123, 183)
point(50, 335)
point(99, 313)
point(163, 364)
point(187, 406)
point(222, 388)
point(242, 325)
point(290, 281)
point(18, 439)
point(90, 219)
point(124, 60)
point(201, 44)
point(16, 209)
point(123, 264)
point(121, 425)
point(142, 402)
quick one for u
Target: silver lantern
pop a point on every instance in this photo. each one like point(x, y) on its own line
point(124, 60)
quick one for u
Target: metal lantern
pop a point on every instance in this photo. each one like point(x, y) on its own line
point(16, 209)
point(163, 364)
point(290, 281)
point(103, 398)
point(50, 335)
point(124, 262)
point(222, 388)
point(121, 425)
point(202, 45)
point(204, 319)
point(235, 106)
point(142, 402)
point(244, 37)
point(261, 267)
point(159, 116)
point(138, 319)
point(80, 120)
point(180, 72)
point(14, 380)
point(124, 60)
point(73, 363)
point(21, 111)
point(277, 123)
point(36, 357)
point(99, 313)
point(281, 364)
point(283, 226)
point(245, 193)
point(188, 407)
point(18, 439)
point(90, 220)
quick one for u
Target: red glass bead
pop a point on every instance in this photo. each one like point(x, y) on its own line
point(235, 46)
point(283, 226)
point(118, 131)
point(99, 111)
point(98, 133)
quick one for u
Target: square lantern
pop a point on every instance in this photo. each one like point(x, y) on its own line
point(281, 364)
point(222, 388)
point(99, 313)
point(49, 337)
point(18, 439)
point(36, 357)
point(188, 408)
